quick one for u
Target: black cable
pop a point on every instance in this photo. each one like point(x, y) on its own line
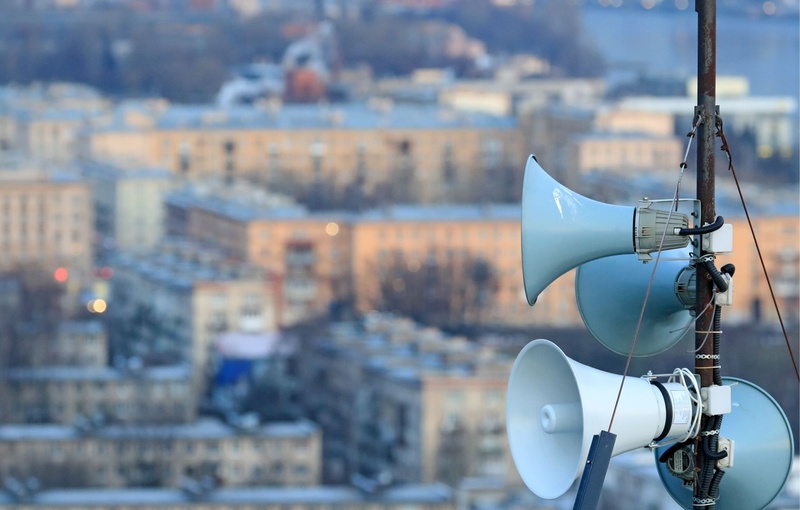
point(711, 442)
point(716, 276)
point(705, 229)
point(669, 451)
point(713, 489)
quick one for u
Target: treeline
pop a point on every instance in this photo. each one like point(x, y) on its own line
point(186, 58)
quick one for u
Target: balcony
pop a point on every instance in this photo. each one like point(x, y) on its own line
point(300, 290)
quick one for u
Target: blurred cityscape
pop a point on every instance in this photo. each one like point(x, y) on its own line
point(266, 253)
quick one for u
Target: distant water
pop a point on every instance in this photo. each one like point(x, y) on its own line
point(765, 50)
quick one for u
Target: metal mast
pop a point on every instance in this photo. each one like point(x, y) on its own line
point(706, 112)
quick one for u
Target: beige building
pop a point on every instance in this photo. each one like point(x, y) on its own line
point(336, 253)
point(176, 301)
point(444, 235)
point(129, 205)
point(435, 153)
point(67, 395)
point(413, 405)
point(779, 242)
point(46, 121)
point(325, 257)
point(613, 119)
point(309, 254)
point(78, 344)
point(769, 119)
point(282, 454)
point(406, 497)
point(47, 219)
point(625, 154)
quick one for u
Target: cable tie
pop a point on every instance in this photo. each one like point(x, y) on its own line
point(709, 433)
point(715, 331)
point(703, 501)
point(707, 368)
point(706, 356)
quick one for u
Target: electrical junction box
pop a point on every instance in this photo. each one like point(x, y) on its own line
point(719, 241)
point(725, 298)
point(725, 445)
point(716, 400)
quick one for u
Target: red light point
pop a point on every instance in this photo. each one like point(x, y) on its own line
point(61, 274)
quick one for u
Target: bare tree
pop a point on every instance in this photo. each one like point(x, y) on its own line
point(455, 292)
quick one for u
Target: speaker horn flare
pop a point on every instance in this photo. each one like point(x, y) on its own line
point(562, 229)
point(763, 449)
point(610, 293)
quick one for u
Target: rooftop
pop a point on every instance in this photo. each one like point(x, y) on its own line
point(357, 116)
point(146, 498)
point(206, 428)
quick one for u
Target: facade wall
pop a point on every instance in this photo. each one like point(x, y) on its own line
point(352, 258)
point(54, 140)
point(161, 456)
point(125, 148)
point(307, 257)
point(779, 242)
point(180, 301)
point(463, 428)
point(80, 344)
point(434, 163)
point(495, 240)
point(137, 210)
point(624, 154)
point(427, 497)
point(389, 402)
point(45, 221)
point(614, 120)
point(66, 395)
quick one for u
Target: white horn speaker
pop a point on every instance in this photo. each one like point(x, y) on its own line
point(554, 405)
point(610, 292)
point(562, 229)
point(762, 452)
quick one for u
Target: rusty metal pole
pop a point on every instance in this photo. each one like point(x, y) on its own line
point(707, 111)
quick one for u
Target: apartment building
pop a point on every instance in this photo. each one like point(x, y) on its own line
point(308, 253)
point(443, 235)
point(437, 153)
point(71, 394)
point(128, 204)
point(769, 119)
point(326, 256)
point(625, 154)
point(779, 242)
point(417, 497)
point(77, 344)
point(47, 220)
point(172, 303)
point(411, 405)
point(279, 454)
point(46, 121)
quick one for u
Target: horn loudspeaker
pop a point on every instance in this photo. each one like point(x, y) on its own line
point(555, 405)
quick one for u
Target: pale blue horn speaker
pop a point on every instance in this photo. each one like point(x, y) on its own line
point(562, 229)
point(763, 447)
point(610, 293)
point(555, 405)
